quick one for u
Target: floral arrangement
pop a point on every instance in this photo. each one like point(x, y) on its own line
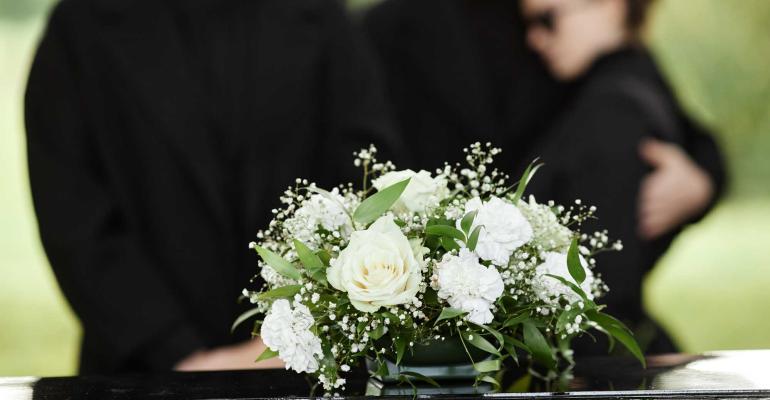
point(412, 258)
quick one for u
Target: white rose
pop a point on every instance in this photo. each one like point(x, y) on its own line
point(377, 268)
point(421, 192)
point(287, 331)
point(504, 229)
point(548, 288)
point(468, 285)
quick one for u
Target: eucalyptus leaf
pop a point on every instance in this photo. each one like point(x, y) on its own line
point(278, 263)
point(266, 355)
point(574, 265)
point(445, 231)
point(243, 317)
point(377, 204)
point(538, 345)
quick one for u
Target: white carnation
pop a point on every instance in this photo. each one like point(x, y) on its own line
point(468, 285)
point(287, 331)
point(421, 192)
point(504, 229)
point(549, 289)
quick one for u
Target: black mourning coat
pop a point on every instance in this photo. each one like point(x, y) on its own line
point(458, 71)
point(160, 135)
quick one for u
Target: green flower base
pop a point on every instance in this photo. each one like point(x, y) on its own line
point(445, 361)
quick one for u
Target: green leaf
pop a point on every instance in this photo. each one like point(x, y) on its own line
point(278, 263)
point(619, 331)
point(377, 332)
point(539, 347)
point(573, 263)
point(575, 288)
point(467, 222)
point(420, 377)
point(479, 342)
point(474, 238)
point(377, 204)
point(448, 313)
point(529, 172)
point(283, 292)
point(266, 355)
point(445, 231)
point(489, 379)
point(430, 297)
point(315, 267)
point(309, 259)
point(512, 342)
point(567, 317)
point(401, 343)
point(449, 244)
point(487, 366)
point(324, 256)
point(515, 320)
point(498, 336)
point(243, 317)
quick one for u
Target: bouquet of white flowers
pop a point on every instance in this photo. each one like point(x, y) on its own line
point(413, 258)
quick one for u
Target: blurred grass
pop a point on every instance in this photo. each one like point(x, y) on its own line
point(707, 289)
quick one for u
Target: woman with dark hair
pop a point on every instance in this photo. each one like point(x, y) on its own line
point(618, 99)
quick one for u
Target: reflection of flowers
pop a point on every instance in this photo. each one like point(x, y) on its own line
point(469, 286)
point(422, 190)
point(504, 229)
point(288, 332)
point(377, 268)
point(549, 289)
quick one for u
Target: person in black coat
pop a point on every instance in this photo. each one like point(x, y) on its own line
point(459, 71)
point(160, 135)
point(619, 100)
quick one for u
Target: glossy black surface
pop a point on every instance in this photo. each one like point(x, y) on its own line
point(738, 374)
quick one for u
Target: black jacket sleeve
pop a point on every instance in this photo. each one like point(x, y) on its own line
point(110, 280)
point(591, 155)
point(701, 145)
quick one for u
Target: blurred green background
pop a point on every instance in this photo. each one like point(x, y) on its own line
point(710, 290)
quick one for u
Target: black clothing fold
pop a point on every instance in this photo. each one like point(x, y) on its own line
point(160, 135)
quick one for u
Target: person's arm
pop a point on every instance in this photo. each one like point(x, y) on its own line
point(108, 277)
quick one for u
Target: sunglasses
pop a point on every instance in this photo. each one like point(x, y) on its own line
point(545, 20)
